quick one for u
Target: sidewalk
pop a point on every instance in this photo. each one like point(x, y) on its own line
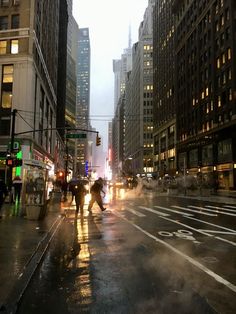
point(23, 243)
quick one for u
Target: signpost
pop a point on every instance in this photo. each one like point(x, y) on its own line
point(74, 135)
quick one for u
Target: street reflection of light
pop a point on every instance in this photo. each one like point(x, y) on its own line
point(83, 286)
point(87, 198)
point(122, 193)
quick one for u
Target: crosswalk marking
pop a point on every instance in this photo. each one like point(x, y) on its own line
point(173, 211)
point(212, 210)
point(221, 208)
point(135, 212)
point(193, 211)
point(154, 211)
point(230, 206)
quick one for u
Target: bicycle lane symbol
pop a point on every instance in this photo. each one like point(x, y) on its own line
point(182, 234)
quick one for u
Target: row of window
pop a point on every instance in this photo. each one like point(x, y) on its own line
point(13, 46)
point(4, 22)
point(7, 3)
point(7, 85)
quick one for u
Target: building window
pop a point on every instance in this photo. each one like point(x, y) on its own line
point(3, 47)
point(7, 83)
point(5, 3)
point(14, 46)
point(15, 21)
point(16, 2)
point(3, 22)
point(218, 63)
point(229, 53)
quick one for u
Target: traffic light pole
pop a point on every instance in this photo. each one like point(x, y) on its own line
point(13, 122)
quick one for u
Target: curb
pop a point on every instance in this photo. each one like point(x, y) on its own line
point(12, 301)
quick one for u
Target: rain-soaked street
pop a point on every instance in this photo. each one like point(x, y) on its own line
point(144, 254)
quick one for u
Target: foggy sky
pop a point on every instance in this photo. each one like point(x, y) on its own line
point(108, 22)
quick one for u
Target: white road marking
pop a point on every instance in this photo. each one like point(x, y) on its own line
point(193, 211)
point(230, 206)
point(215, 231)
point(212, 210)
point(189, 227)
point(173, 211)
point(203, 268)
point(154, 211)
point(211, 224)
point(135, 212)
point(221, 208)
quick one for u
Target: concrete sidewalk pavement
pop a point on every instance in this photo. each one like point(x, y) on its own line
point(23, 243)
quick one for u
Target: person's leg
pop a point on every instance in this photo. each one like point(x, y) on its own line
point(91, 202)
point(99, 201)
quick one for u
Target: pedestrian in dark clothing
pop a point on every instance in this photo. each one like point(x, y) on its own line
point(72, 185)
point(79, 192)
point(3, 194)
point(64, 187)
point(17, 184)
point(96, 190)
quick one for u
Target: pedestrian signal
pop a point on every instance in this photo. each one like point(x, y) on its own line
point(13, 162)
point(98, 141)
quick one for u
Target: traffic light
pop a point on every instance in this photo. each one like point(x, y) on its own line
point(98, 141)
point(13, 162)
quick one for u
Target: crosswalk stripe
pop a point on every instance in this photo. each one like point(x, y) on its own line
point(173, 211)
point(135, 212)
point(154, 211)
point(194, 211)
point(221, 208)
point(212, 210)
point(230, 206)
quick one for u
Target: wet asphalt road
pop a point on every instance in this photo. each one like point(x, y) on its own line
point(143, 255)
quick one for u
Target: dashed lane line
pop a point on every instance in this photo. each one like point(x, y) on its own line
point(191, 260)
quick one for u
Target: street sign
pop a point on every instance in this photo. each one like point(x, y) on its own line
point(80, 135)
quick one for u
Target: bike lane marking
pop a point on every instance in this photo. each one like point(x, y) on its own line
point(191, 260)
point(193, 211)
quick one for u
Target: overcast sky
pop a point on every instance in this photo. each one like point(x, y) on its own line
point(108, 22)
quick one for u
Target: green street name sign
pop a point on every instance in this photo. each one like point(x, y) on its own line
point(81, 135)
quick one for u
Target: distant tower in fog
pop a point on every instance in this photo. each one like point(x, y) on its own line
point(120, 68)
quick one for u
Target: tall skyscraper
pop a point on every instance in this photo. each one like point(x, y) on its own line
point(205, 89)
point(83, 96)
point(163, 89)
